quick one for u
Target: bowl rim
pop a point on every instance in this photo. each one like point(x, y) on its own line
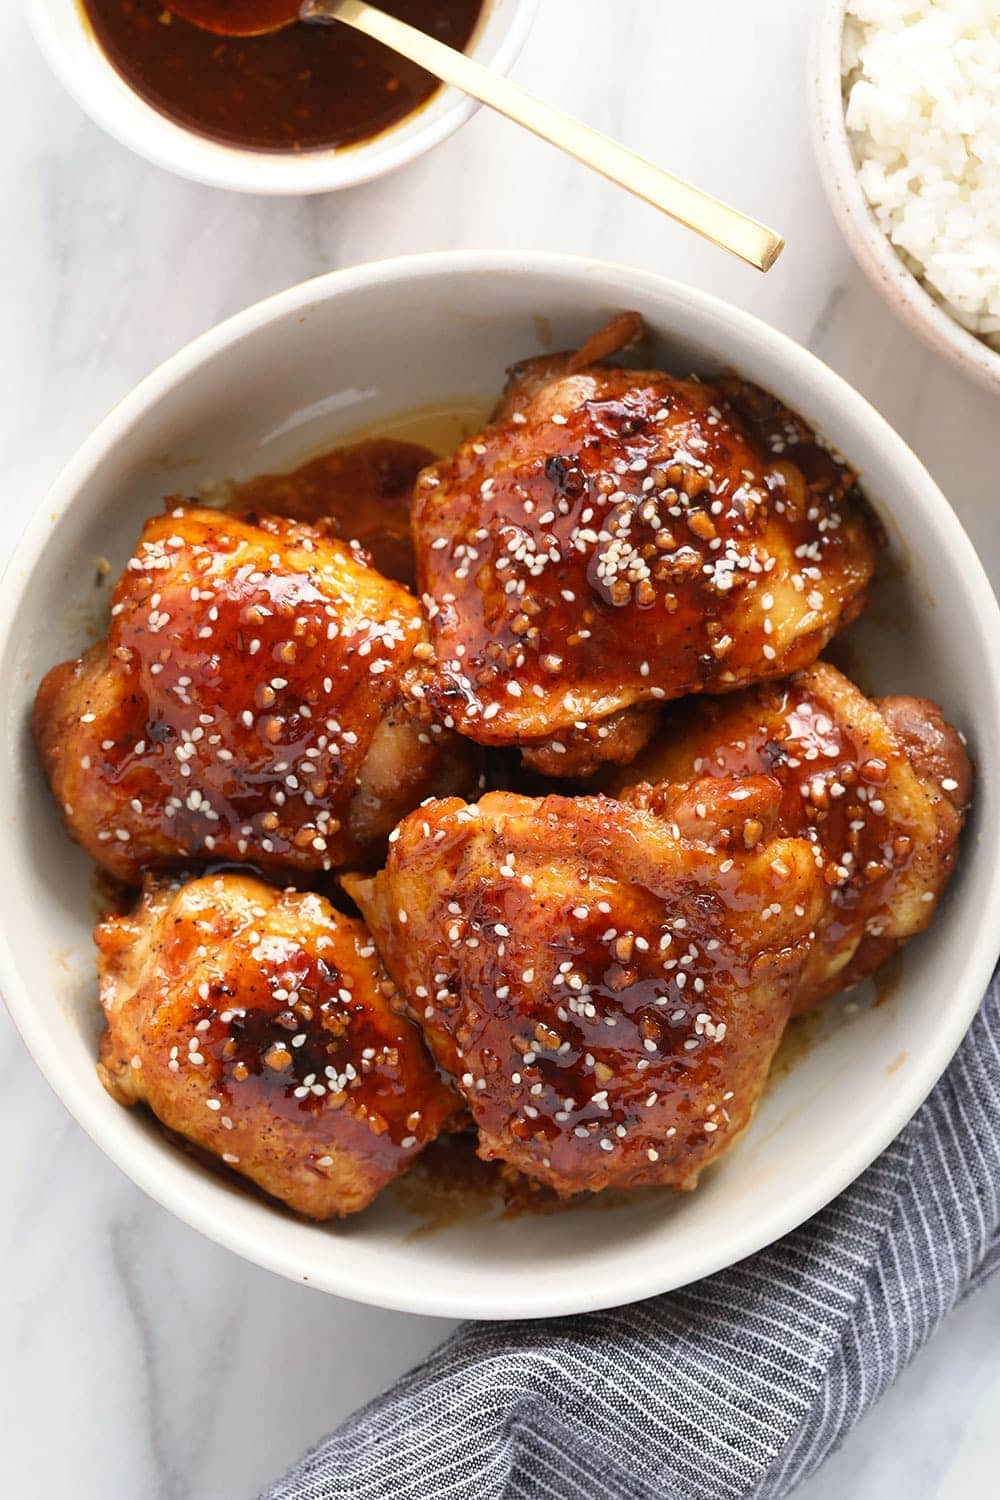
point(815, 1190)
point(119, 110)
point(871, 247)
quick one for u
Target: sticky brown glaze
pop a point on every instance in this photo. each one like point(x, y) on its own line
point(878, 788)
point(607, 987)
point(248, 703)
point(260, 1025)
point(623, 537)
point(364, 489)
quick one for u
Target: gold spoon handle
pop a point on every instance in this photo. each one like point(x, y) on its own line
point(724, 226)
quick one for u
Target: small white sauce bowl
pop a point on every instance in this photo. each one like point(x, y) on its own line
point(65, 37)
point(300, 372)
point(871, 247)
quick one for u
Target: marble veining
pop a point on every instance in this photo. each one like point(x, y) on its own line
point(136, 1358)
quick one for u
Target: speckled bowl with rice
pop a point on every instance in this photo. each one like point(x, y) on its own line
point(906, 121)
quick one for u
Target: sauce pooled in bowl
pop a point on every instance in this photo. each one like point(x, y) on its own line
point(301, 88)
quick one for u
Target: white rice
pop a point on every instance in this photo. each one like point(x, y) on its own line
point(922, 83)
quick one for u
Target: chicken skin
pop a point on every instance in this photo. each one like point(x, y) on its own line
point(249, 702)
point(260, 1025)
point(621, 537)
point(877, 787)
point(606, 986)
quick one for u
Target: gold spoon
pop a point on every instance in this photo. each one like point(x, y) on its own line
point(724, 226)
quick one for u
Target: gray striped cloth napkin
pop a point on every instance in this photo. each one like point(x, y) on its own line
point(738, 1386)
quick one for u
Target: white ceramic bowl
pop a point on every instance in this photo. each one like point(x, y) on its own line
point(870, 246)
point(351, 351)
point(65, 38)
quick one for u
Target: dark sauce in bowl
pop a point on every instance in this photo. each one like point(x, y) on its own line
point(299, 89)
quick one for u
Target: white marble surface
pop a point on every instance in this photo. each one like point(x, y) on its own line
point(136, 1359)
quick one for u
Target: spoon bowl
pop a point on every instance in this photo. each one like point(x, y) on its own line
point(237, 17)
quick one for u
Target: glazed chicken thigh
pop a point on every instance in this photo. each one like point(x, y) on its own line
point(260, 1025)
point(249, 702)
point(877, 787)
point(606, 986)
point(621, 537)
